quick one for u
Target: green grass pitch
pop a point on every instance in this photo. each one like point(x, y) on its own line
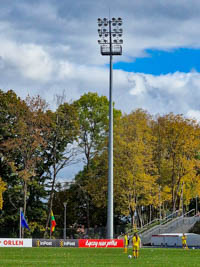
point(97, 257)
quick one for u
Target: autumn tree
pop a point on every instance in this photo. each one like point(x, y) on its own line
point(8, 106)
point(2, 190)
point(22, 149)
point(174, 155)
point(134, 170)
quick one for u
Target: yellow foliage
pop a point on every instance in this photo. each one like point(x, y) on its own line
point(153, 159)
point(177, 143)
point(133, 168)
point(2, 189)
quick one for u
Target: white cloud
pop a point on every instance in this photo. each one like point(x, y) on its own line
point(30, 60)
point(52, 45)
point(194, 114)
point(139, 84)
point(177, 92)
point(65, 70)
point(158, 25)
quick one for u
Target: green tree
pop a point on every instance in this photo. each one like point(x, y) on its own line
point(93, 113)
point(61, 150)
point(93, 120)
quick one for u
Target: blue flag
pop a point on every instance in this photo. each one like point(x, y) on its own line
point(23, 221)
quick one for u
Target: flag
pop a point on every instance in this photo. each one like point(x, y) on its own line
point(53, 222)
point(23, 221)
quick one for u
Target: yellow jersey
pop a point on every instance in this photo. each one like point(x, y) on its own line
point(136, 243)
point(126, 240)
point(184, 238)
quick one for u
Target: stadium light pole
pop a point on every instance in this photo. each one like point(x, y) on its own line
point(110, 33)
point(65, 205)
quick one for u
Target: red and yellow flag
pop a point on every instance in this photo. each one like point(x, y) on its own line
point(53, 222)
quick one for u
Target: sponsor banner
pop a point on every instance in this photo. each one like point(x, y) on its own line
point(101, 243)
point(15, 242)
point(68, 243)
point(44, 242)
point(55, 243)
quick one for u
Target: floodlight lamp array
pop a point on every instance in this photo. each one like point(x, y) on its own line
point(110, 31)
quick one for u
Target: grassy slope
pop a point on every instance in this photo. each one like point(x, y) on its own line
point(83, 257)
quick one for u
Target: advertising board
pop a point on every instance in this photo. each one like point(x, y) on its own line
point(83, 243)
point(15, 242)
point(101, 243)
point(55, 243)
point(68, 243)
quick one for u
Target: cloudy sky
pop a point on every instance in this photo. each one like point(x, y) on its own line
point(48, 47)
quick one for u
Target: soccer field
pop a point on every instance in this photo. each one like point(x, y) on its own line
point(97, 257)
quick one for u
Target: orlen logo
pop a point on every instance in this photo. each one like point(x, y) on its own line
point(13, 242)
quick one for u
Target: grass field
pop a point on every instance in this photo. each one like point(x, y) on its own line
point(97, 257)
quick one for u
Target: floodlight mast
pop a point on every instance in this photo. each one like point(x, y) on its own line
point(110, 43)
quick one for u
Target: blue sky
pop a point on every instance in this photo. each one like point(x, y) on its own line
point(159, 62)
point(50, 48)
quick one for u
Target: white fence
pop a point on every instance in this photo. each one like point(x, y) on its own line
point(175, 240)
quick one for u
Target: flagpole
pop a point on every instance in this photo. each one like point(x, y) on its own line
point(20, 223)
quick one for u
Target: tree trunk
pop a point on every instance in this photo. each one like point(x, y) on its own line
point(139, 212)
point(88, 212)
point(150, 213)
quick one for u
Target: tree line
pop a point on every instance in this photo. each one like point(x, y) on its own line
point(156, 163)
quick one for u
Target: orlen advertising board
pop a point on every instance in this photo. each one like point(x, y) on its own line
point(101, 243)
point(15, 242)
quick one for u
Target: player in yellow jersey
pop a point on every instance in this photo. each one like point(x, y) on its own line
point(184, 242)
point(125, 243)
point(136, 245)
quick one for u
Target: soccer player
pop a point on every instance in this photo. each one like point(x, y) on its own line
point(125, 243)
point(136, 245)
point(184, 242)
